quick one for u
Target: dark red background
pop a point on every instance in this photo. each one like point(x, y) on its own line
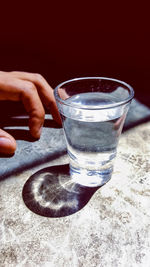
point(63, 40)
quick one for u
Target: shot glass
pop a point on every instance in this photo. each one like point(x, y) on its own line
point(93, 111)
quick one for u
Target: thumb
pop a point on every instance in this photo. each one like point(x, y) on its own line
point(7, 143)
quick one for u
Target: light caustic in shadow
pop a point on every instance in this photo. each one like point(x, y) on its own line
point(50, 192)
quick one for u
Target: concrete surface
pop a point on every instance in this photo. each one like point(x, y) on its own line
point(110, 226)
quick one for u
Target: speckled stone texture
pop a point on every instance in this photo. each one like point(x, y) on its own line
point(111, 230)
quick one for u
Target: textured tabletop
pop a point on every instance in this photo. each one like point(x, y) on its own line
point(70, 225)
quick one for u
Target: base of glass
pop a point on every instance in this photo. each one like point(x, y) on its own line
point(90, 178)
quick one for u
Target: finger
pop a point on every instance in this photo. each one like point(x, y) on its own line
point(34, 107)
point(25, 91)
point(7, 143)
point(44, 89)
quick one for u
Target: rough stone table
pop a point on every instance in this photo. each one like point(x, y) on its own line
point(110, 229)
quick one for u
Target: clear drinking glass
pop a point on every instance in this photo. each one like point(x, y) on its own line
point(93, 111)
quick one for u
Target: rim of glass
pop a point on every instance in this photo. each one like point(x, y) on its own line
point(125, 101)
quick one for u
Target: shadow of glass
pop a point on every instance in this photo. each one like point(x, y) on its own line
point(50, 192)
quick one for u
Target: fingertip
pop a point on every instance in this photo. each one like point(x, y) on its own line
point(7, 145)
point(35, 129)
point(36, 133)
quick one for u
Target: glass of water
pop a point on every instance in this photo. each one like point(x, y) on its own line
point(93, 111)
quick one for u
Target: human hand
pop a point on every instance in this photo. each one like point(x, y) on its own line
point(35, 93)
